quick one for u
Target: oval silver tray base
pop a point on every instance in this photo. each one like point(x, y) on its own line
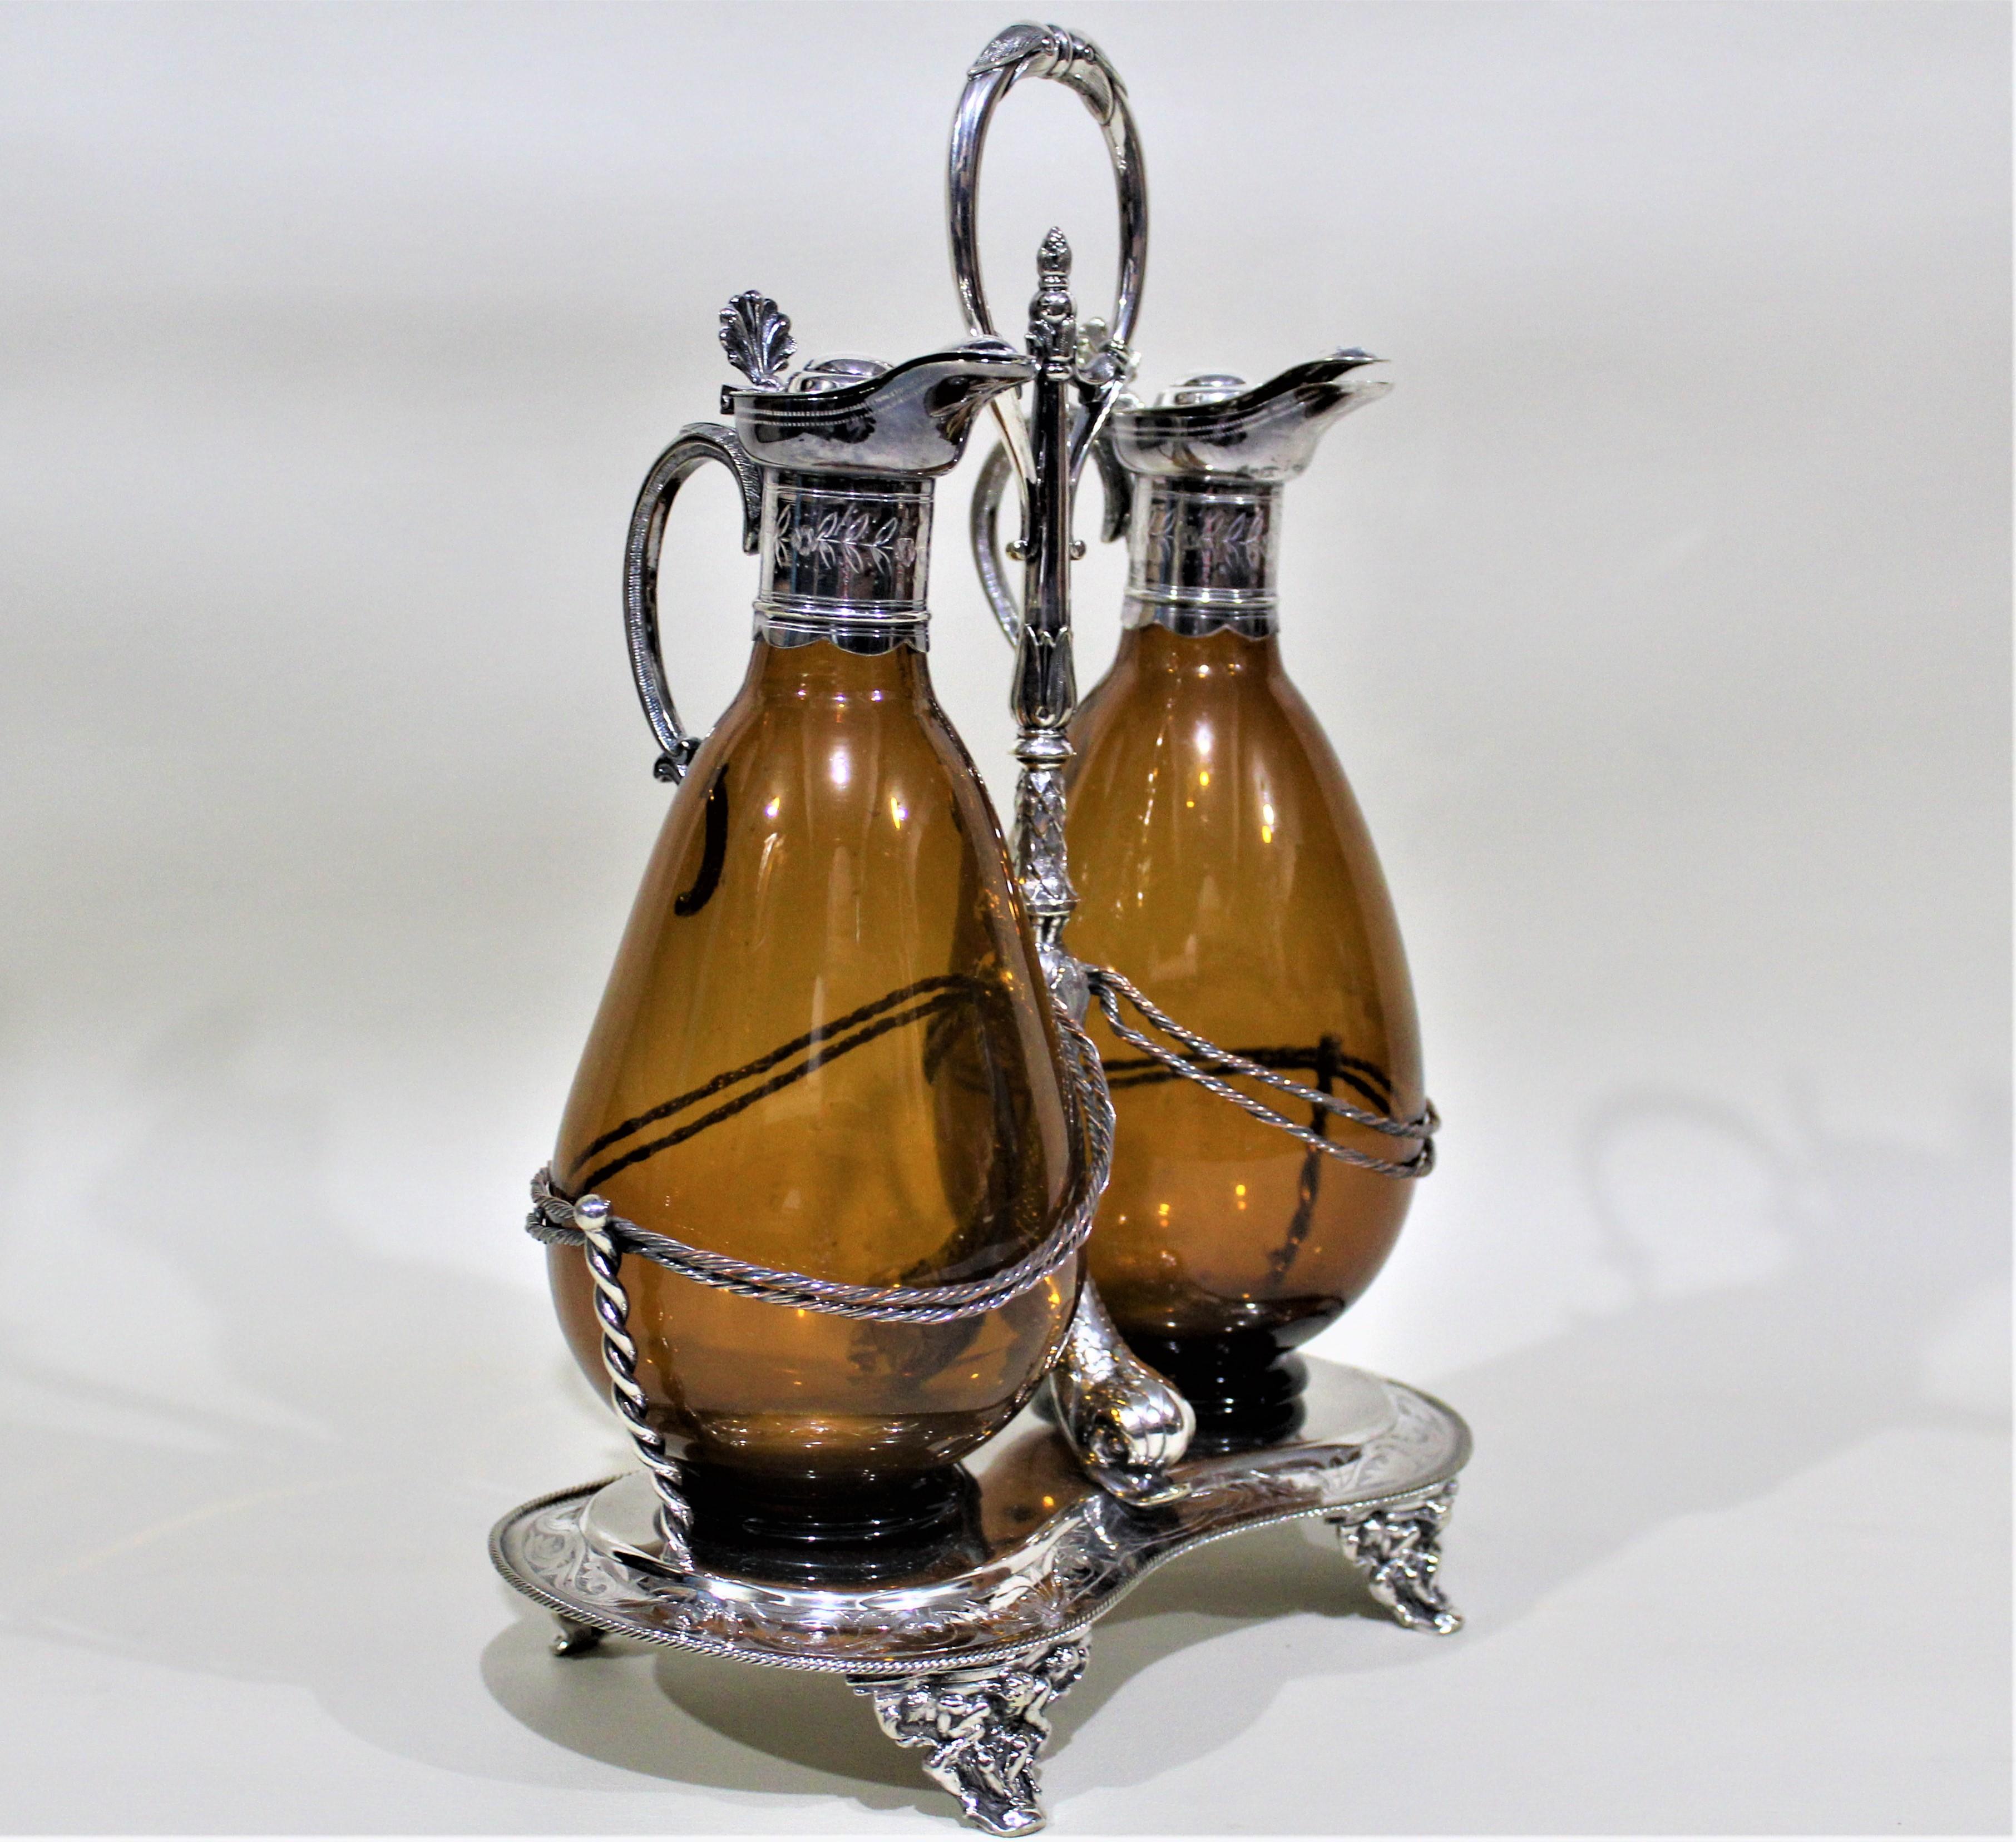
point(963, 1658)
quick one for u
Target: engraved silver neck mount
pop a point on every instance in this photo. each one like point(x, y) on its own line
point(1204, 470)
point(846, 559)
point(1202, 556)
point(848, 452)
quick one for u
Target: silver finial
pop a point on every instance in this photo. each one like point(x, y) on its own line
point(1052, 304)
point(756, 334)
point(1054, 260)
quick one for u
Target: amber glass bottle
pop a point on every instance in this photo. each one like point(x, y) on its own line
point(1223, 865)
point(825, 1048)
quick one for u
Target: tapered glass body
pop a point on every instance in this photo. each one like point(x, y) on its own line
point(826, 1047)
point(1223, 865)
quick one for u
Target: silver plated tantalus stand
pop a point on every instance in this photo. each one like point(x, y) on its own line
point(964, 1659)
point(963, 1654)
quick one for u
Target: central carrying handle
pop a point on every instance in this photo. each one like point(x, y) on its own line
point(1126, 1424)
point(702, 441)
point(1033, 50)
point(1101, 360)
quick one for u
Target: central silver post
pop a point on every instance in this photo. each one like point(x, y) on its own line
point(1045, 686)
point(1128, 1425)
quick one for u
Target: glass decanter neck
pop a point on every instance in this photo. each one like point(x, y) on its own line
point(1157, 650)
point(801, 667)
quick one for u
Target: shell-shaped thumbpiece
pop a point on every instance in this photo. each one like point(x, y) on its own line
point(756, 334)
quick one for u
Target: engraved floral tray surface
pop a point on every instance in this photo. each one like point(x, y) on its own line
point(1055, 1552)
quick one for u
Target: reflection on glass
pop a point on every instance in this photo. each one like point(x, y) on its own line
point(826, 1047)
point(1222, 864)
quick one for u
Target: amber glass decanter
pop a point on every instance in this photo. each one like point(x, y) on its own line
point(826, 1046)
point(1222, 865)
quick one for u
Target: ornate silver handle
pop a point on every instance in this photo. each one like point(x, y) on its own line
point(702, 441)
point(1033, 50)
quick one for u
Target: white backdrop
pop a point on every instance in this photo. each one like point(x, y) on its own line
point(1659, 617)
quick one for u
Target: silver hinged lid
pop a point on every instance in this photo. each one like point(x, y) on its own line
point(853, 414)
point(1216, 426)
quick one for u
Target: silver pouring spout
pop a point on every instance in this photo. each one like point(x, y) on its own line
point(859, 415)
point(1219, 427)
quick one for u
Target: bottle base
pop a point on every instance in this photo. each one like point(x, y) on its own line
point(803, 1533)
point(1246, 1389)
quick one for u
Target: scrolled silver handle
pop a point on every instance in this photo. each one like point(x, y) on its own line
point(702, 441)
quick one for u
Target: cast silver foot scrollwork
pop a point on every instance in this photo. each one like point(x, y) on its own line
point(573, 1639)
point(1400, 1550)
point(985, 1729)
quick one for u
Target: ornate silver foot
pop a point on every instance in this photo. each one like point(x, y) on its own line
point(985, 1728)
point(1399, 1549)
point(1125, 1424)
point(573, 1639)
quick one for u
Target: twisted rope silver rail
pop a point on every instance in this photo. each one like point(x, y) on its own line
point(588, 1222)
point(1110, 987)
point(619, 1360)
point(575, 1222)
point(557, 1218)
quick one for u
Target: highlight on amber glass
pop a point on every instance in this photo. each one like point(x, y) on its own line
point(1223, 866)
point(822, 1049)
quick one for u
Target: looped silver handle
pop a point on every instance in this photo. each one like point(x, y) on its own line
point(1102, 362)
point(702, 441)
point(1033, 50)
